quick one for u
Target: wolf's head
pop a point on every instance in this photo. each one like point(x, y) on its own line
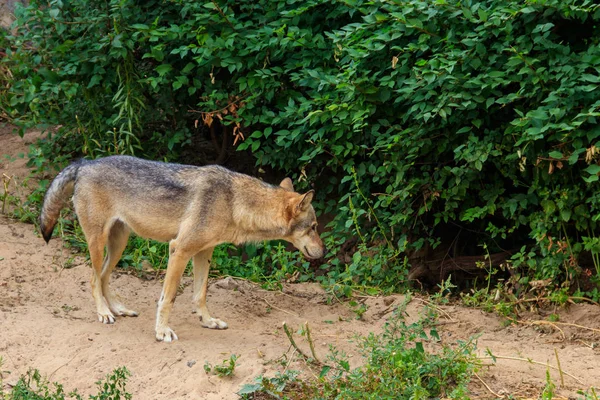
point(302, 223)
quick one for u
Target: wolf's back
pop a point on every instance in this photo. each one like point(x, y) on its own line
point(56, 198)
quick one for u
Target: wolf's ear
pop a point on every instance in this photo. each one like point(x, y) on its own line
point(287, 184)
point(305, 201)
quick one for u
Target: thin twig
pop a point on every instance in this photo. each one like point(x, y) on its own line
point(290, 360)
point(280, 309)
point(72, 358)
point(436, 307)
point(537, 299)
point(542, 322)
point(441, 323)
point(219, 110)
point(553, 324)
point(223, 14)
point(487, 387)
point(529, 360)
point(591, 346)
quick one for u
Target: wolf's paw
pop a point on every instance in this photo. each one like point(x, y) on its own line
point(214, 323)
point(120, 309)
point(106, 318)
point(165, 334)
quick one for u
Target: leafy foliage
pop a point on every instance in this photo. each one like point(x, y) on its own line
point(405, 360)
point(414, 120)
point(32, 386)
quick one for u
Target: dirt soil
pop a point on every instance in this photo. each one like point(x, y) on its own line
point(48, 322)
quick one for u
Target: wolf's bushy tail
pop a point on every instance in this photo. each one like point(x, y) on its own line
point(56, 198)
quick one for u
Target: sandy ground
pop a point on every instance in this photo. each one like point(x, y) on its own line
point(48, 322)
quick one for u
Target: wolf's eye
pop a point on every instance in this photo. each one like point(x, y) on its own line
point(314, 227)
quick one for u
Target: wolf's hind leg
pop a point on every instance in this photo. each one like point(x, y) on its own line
point(117, 241)
point(96, 247)
point(201, 263)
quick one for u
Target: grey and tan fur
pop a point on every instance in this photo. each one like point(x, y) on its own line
point(192, 208)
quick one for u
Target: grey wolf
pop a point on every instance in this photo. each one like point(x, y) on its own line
point(192, 208)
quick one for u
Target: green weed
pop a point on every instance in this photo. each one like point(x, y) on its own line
point(33, 386)
point(589, 394)
point(404, 361)
point(226, 368)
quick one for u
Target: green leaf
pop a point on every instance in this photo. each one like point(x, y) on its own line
point(419, 347)
point(590, 78)
point(344, 364)
point(540, 114)
point(543, 27)
point(94, 81)
point(163, 69)
point(573, 158)
point(249, 388)
point(415, 22)
point(548, 206)
point(324, 371)
point(591, 178)
point(556, 154)
point(565, 215)
point(482, 14)
point(116, 42)
point(593, 169)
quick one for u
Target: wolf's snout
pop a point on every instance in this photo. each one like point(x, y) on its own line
point(314, 253)
point(323, 251)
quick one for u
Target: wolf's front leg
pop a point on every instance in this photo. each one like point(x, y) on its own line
point(178, 259)
point(201, 263)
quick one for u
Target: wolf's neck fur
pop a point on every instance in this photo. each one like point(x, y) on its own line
point(264, 220)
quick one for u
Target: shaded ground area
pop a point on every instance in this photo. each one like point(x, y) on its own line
point(48, 321)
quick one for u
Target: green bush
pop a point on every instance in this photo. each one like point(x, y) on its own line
point(32, 386)
point(414, 120)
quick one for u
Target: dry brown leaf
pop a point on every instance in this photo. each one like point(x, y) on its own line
point(207, 119)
